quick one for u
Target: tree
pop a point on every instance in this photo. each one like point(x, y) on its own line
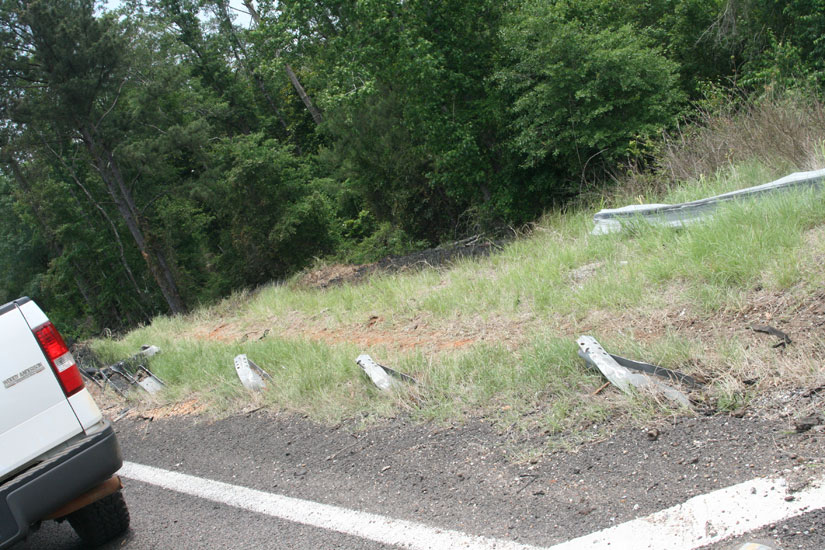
point(66, 72)
point(581, 95)
point(411, 118)
point(270, 217)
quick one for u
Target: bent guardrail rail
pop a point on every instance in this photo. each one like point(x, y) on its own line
point(611, 220)
point(620, 376)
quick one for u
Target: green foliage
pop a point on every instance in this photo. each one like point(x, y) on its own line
point(377, 158)
point(164, 150)
point(382, 241)
point(23, 254)
point(411, 118)
point(582, 95)
point(270, 219)
point(807, 21)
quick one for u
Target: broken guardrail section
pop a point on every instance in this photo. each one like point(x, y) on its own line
point(612, 220)
point(623, 378)
point(383, 377)
point(661, 372)
point(252, 376)
point(127, 374)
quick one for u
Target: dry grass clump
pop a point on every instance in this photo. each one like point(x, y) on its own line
point(783, 129)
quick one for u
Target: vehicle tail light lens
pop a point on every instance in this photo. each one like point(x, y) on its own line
point(60, 358)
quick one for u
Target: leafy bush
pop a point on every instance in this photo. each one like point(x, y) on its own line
point(383, 240)
point(582, 95)
point(269, 218)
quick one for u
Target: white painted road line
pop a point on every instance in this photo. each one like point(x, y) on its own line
point(373, 527)
point(702, 520)
point(708, 518)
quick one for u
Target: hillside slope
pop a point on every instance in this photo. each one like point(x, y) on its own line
point(495, 335)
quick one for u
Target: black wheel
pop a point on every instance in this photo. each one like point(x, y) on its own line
point(101, 521)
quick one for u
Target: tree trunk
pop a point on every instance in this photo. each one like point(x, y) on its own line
point(109, 171)
point(293, 78)
point(108, 219)
point(316, 114)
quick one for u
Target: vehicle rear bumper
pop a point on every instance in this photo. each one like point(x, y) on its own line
point(36, 493)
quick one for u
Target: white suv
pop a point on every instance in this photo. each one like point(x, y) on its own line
point(58, 455)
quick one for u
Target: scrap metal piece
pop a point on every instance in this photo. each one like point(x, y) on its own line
point(150, 382)
point(115, 377)
point(767, 329)
point(621, 376)
point(127, 374)
point(138, 374)
point(148, 351)
point(656, 370)
point(383, 377)
point(612, 220)
point(251, 375)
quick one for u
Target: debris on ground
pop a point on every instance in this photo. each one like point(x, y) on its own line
point(806, 423)
point(586, 271)
point(611, 220)
point(767, 329)
point(127, 374)
point(476, 246)
point(814, 391)
point(148, 351)
point(647, 368)
point(252, 376)
point(383, 377)
point(122, 414)
point(623, 378)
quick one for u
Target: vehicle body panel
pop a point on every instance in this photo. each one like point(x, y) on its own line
point(34, 413)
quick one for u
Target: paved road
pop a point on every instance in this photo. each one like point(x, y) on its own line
point(451, 478)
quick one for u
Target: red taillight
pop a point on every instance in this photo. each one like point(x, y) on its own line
point(60, 358)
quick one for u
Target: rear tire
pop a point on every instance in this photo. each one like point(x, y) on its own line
point(102, 520)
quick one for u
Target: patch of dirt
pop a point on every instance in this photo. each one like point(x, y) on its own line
point(419, 332)
point(802, 318)
point(337, 274)
point(220, 332)
point(116, 407)
point(184, 408)
point(333, 274)
point(387, 339)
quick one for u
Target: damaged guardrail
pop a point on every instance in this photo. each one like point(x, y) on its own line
point(670, 375)
point(383, 377)
point(127, 374)
point(612, 220)
point(621, 376)
point(251, 375)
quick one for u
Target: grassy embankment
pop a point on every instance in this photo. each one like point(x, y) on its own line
point(496, 336)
